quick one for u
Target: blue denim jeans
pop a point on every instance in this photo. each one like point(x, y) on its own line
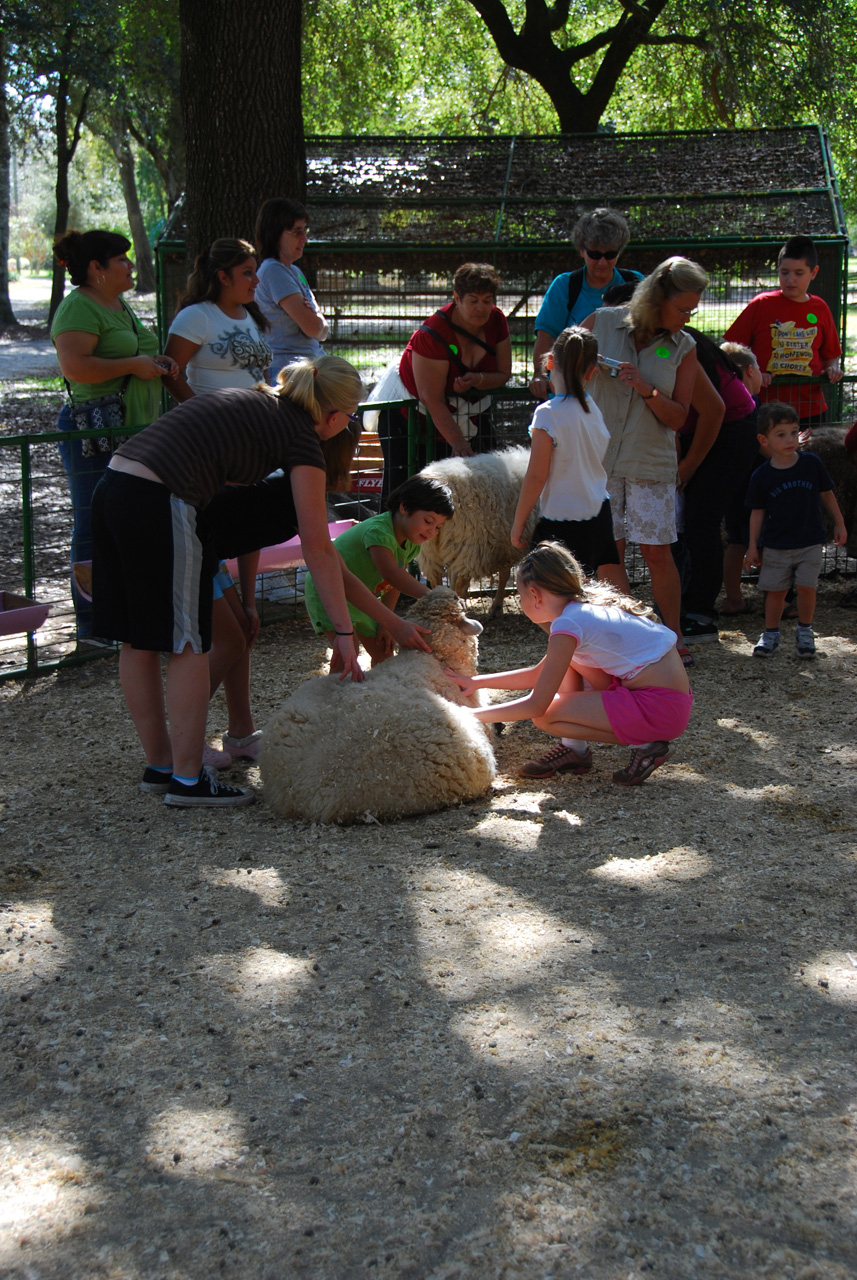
point(83, 475)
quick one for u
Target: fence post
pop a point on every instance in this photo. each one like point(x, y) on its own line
point(29, 557)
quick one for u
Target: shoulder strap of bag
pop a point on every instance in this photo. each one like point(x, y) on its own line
point(453, 355)
point(486, 346)
point(575, 284)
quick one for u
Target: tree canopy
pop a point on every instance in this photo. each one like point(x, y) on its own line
point(411, 66)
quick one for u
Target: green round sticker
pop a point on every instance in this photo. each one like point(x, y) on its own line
point(453, 349)
point(811, 319)
point(663, 352)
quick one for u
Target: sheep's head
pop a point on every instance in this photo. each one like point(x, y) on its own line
point(453, 633)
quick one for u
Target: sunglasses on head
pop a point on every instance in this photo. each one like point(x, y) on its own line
point(597, 254)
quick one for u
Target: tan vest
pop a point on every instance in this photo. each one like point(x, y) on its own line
point(640, 447)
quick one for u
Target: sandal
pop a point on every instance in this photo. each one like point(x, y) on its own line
point(643, 762)
point(687, 658)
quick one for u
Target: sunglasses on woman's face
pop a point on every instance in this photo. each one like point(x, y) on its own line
point(597, 254)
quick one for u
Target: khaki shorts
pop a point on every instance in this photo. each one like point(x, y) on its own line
point(643, 510)
point(796, 565)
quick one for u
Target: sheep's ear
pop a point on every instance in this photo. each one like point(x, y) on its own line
point(470, 626)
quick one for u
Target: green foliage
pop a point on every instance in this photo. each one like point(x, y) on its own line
point(391, 66)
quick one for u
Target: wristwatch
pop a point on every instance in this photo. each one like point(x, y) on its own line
point(654, 394)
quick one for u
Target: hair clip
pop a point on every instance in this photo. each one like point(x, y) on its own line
point(314, 372)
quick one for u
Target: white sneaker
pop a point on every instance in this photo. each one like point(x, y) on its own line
point(243, 748)
point(805, 642)
point(767, 646)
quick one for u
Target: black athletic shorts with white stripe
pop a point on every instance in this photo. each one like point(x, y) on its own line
point(153, 564)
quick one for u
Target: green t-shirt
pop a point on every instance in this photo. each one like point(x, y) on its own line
point(120, 335)
point(353, 546)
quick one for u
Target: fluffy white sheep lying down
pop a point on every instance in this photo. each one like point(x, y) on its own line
point(475, 543)
point(401, 742)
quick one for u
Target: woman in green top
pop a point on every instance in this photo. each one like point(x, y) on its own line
point(102, 349)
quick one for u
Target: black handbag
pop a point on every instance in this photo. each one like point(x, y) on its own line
point(102, 413)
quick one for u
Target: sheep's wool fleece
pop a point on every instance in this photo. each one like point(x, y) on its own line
point(475, 543)
point(336, 752)
point(399, 743)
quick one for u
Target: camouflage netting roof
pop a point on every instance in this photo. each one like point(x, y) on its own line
point(746, 184)
point(749, 184)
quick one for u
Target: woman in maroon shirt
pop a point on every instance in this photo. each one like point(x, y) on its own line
point(451, 363)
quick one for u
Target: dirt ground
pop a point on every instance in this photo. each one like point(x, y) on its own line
point(567, 1030)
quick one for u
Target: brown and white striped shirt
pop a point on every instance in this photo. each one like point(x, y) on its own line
point(234, 436)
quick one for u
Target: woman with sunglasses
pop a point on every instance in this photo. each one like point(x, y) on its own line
point(599, 237)
point(644, 401)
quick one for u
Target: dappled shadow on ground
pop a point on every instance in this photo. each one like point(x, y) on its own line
point(568, 1030)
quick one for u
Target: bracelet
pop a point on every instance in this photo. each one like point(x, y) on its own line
point(344, 633)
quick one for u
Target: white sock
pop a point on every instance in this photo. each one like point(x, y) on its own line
point(575, 743)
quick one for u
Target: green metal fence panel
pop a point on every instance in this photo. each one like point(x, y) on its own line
point(36, 520)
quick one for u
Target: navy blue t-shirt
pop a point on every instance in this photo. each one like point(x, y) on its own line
point(790, 497)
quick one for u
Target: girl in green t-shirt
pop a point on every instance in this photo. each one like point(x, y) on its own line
point(377, 551)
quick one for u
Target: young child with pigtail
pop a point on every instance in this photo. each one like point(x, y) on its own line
point(611, 673)
point(565, 471)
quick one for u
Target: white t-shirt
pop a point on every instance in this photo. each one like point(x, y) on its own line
point(608, 638)
point(577, 483)
point(232, 353)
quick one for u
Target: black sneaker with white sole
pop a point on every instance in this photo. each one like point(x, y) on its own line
point(156, 781)
point(697, 630)
point(207, 792)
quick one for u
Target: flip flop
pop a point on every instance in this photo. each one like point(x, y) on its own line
point(687, 658)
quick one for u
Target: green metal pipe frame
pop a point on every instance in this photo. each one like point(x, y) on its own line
point(418, 433)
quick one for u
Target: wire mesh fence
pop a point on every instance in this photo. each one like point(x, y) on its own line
point(391, 218)
point(36, 532)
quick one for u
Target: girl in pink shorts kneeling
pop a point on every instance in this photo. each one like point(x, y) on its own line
point(611, 673)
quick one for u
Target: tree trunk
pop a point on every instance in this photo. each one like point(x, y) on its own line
point(241, 99)
point(121, 149)
point(7, 315)
point(65, 155)
point(63, 203)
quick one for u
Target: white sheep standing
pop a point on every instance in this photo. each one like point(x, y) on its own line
point(475, 543)
point(401, 742)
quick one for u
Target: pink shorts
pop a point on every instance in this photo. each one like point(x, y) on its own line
point(638, 716)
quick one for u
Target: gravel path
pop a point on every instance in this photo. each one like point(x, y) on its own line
point(568, 1030)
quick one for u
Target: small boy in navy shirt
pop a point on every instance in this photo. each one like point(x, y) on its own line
point(785, 518)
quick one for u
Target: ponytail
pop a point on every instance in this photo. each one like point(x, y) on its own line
point(573, 355)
